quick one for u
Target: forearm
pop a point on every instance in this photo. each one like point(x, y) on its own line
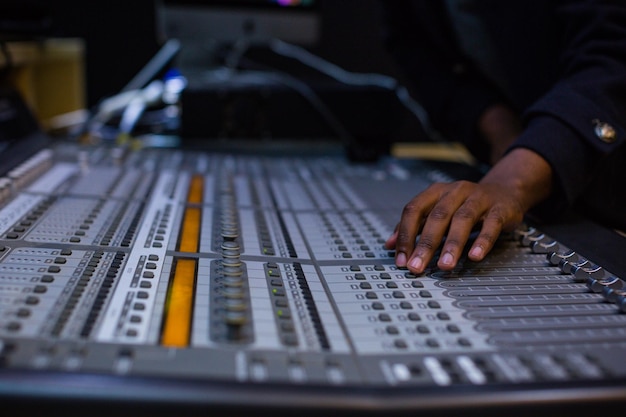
point(526, 174)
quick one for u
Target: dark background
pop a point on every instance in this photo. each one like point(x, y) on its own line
point(120, 35)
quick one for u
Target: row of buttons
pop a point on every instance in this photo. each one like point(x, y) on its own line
point(404, 309)
point(25, 223)
point(160, 232)
point(30, 169)
point(37, 289)
point(342, 229)
point(103, 292)
point(280, 305)
point(146, 268)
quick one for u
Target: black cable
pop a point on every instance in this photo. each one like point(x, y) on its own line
point(369, 79)
point(307, 93)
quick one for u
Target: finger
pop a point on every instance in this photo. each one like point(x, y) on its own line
point(390, 243)
point(492, 226)
point(435, 227)
point(411, 222)
point(461, 226)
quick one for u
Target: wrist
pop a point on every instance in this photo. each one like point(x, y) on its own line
point(526, 175)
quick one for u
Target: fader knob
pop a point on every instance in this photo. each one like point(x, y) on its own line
point(523, 234)
point(231, 271)
point(235, 318)
point(598, 285)
point(620, 300)
point(568, 266)
point(233, 281)
point(235, 305)
point(233, 262)
point(230, 245)
point(556, 258)
point(531, 239)
point(583, 272)
point(612, 294)
point(547, 246)
point(230, 233)
point(232, 292)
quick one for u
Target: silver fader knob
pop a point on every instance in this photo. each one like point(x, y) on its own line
point(621, 301)
point(524, 231)
point(557, 257)
point(598, 285)
point(612, 294)
point(235, 305)
point(232, 271)
point(230, 245)
point(583, 272)
point(527, 237)
point(233, 292)
point(547, 246)
point(230, 232)
point(233, 261)
point(530, 240)
point(569, 266)
point(235, 318)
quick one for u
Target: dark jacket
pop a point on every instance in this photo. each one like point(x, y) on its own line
point(561, 65)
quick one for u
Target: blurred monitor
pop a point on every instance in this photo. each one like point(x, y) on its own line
point(227, 21)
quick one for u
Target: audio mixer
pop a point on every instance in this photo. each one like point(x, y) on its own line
point(218, 281)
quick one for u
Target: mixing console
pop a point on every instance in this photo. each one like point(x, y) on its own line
point(260, 270)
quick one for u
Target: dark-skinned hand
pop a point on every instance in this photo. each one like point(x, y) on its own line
point(452, 211)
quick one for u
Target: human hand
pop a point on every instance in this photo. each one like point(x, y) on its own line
point(451, 210)
point(454, 208)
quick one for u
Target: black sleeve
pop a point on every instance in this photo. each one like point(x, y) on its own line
point(576, 119)
point(579, 124)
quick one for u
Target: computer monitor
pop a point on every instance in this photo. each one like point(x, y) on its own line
point(228, 21)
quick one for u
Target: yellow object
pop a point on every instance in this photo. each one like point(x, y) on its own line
point(49, 74)
point(194, 195)
point(445, 151)
point(179, 306)
point(190, 234)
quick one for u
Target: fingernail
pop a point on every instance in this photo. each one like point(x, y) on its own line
point(400, 259)
point(476, 252)
point(447, 259)
point(416, 263)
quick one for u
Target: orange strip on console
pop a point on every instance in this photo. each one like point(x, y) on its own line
point(190, 232)
point(179, 305)
point(195, 189)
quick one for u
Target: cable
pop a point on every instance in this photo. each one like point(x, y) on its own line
point(351, 78)
point(237, 52)
point(225, 74)
point(135, 108)
point(134, 90)
point(309, 94)
point(157, 63)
